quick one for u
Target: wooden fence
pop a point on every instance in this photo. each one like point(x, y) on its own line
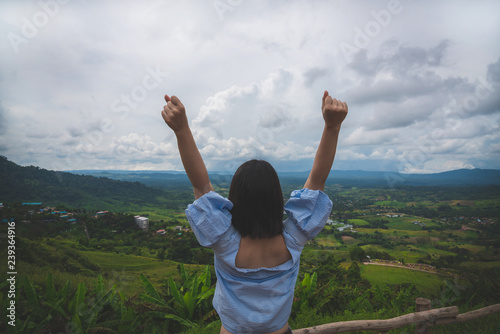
point(424, 318)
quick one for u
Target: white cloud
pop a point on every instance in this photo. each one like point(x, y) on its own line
point(388, 154)
point(362, 136)
point(350, 154)
point(421, 97)
point(438, 166)
point(256, 120)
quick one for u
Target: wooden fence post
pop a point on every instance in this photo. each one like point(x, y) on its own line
point(422, 304)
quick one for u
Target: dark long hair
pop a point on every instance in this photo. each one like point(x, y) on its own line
point(257, 200)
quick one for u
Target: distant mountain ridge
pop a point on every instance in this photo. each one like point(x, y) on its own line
point(124, 191)
point(34, 184)
point(459, 177)
point(121, 190)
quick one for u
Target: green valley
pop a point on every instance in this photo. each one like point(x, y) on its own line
point(88, 264)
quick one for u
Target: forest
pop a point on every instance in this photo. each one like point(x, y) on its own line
point(84, 266)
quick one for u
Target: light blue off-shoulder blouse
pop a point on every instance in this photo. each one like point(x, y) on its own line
point(256, 300)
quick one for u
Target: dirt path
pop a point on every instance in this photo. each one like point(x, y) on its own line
point(398, 266)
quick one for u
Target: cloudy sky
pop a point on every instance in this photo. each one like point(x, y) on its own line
point(82, 82)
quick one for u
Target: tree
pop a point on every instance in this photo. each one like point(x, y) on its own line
point(357, 254)
point(161, 254)
point(329, 268)
point(107, 245)
point(180, 252)
point(93, 243)
point(353, 274)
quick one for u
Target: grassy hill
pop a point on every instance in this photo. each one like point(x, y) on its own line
point(34, 184)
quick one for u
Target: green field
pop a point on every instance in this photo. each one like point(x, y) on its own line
point(337, 254)
point(472, 248)
point(127, 268)
point(392, 204)
point(402, 225)
point(484, 203)
point(159, 214)
point(117, 269)
point(358, 222)
point(399, 232)
point(428, 284)
point(328, 240)
point(480, 265)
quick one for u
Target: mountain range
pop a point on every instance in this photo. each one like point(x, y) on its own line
point(34, 184)
point(99, 189)
point(459, 177)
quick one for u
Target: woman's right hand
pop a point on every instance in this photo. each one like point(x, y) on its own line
point(174, 114)
point(334, 111)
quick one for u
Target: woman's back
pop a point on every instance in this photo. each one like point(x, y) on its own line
point(262, 253)
point(256, 277)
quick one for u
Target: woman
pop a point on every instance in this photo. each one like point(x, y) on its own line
point(257, 255)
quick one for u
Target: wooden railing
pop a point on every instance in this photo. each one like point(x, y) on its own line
point(424, 318)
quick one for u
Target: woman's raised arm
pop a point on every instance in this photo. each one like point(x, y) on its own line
point(174, 115)
point(334, 112)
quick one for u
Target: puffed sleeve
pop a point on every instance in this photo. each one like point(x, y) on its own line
point(209, 217)
point(307, 211)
